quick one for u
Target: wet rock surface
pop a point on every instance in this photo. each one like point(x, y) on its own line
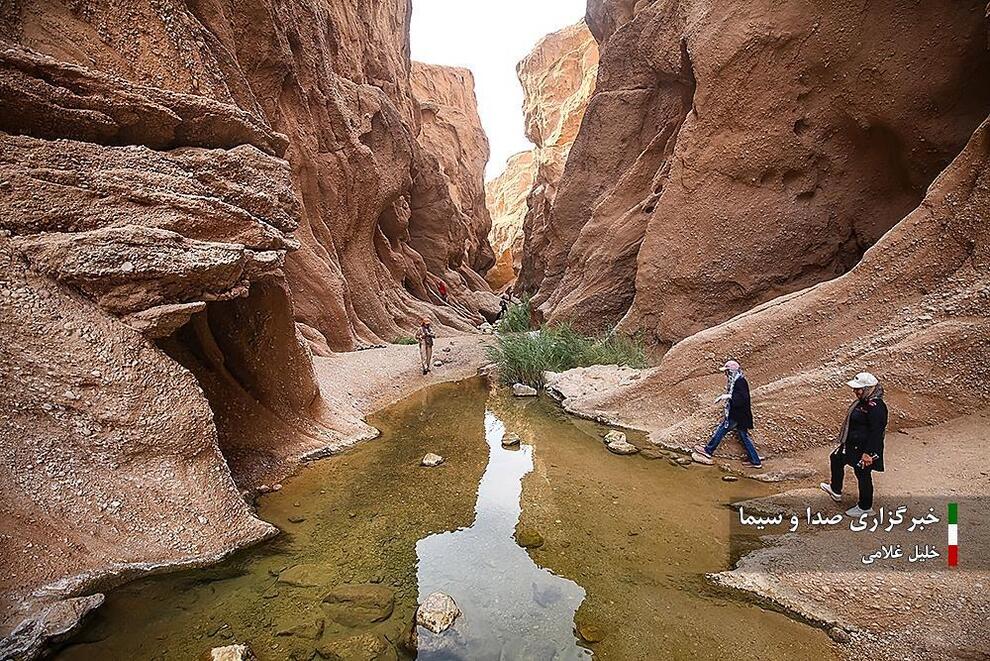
point(431, 460)
point(359, 604)
point(437, 612)
point(522, 390)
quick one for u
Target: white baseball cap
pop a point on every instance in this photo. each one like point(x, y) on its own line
point(730, 366)
point(863, 380)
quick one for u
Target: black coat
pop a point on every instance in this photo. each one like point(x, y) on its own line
point(740, 408)
point(867, 426)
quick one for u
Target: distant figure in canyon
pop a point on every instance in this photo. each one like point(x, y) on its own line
point(442, 289)
point(738, 415)
point(860, 443)
point(425, 335)
point(503, 304)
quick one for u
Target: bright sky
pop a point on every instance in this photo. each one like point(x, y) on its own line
point(490, 38)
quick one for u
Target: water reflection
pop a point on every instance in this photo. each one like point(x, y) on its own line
point(512, 607)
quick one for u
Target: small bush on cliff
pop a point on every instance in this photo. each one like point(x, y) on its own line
point(517, 318)
point(524, 357)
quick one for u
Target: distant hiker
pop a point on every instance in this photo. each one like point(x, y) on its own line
point(425, 336)
point(860, 443)
point(503, 304)
point(738, 415)
point(442, 288)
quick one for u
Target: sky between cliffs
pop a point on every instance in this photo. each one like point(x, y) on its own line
point(490, 38)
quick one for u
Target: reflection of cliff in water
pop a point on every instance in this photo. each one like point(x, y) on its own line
point(512, 607)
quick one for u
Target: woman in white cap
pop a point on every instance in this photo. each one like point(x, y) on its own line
point(860, 443)
point(738, 415)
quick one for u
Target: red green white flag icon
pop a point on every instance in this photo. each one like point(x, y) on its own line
point(953, 520)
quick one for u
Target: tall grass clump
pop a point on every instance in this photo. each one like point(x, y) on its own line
point(405, 339)
point(524, 357)
point(517, 318)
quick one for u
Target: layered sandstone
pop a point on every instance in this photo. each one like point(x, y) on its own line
point(558, 78)
point(729, 156)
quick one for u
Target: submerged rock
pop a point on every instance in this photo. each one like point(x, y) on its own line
point(355, 605)
point(430, 460)
point(304, 576)
point(590, 633)
point(622, 446)
point(510, 439)
point(528, 538)
point(311, 630)
point(232, 653)
point(362, 647)
point(522, 390)
point(437, 612)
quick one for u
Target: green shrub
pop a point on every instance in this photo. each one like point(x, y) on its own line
point(517, 318)
point(405, 339)
point(524, 357)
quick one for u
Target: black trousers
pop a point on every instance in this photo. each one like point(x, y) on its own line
point(864, 476)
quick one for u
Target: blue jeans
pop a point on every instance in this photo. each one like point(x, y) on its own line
point(723, 429)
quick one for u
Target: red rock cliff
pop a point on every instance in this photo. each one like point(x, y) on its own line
point(731, 154)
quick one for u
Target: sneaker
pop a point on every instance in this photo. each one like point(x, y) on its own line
point(746, 464)
point(700, 449)
point(857, 512)
point(827, 488)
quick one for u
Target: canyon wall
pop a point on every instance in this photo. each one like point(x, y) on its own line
point(506, 195)
point(196, 197)
point(913, 311)
point(451, 132)
point(733, 154)
point(558, 78)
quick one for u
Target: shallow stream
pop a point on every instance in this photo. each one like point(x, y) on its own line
point(626, 542)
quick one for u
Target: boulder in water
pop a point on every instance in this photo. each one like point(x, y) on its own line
point(304, 576)
point(622, 446)
point(358, 605)
point(614, 435)
point(437, 612)
point(231, 653)
point(510, 439)
point(431, 460)
point(361, 647)
point(528, 538)
point(522, 390)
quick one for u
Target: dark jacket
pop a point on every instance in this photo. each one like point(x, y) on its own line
point(740, 408)
point(867, 426)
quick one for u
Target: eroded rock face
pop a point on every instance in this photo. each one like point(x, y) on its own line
point(450, 129)
point(334, 79)
point(558, 78)
point(912, 312)
point(729, 157)
point(107, 441)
